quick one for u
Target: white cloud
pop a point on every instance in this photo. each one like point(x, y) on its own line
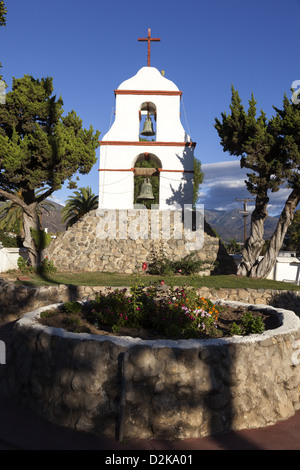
point(57, 200)
point(224, 182)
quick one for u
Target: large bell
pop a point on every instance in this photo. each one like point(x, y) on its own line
point(148, 127)
point(146, 190)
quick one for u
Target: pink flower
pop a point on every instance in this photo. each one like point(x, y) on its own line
point(162, 283)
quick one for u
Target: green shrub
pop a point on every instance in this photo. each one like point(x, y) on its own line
point(41, 238)
point(72, 308)
point(164, 266)
point(24, 266)
point(252, 325)
point(47, 266)
point(235, 329)
point(10, 241)
point(175, 313)
point(48, 313)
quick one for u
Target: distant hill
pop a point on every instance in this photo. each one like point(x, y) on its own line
point(52, 221)
point(230, 224)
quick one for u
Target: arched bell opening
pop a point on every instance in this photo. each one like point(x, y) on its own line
point(147, 116)
point(146, 180)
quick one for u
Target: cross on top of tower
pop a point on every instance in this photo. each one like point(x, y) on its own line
point(149, 39)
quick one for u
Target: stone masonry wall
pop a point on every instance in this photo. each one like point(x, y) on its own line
point(129, 388)
point(110, 243)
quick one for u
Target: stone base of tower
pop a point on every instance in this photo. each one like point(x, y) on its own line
point(109, 243)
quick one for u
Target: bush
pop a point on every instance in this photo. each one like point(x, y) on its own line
point(24, 266)
point(41, 238)
point(235, 329)
point(9, 241)
point(185, 266)
point(178, 313)
point(46, 266)
point(72, 307)
point(250, 325)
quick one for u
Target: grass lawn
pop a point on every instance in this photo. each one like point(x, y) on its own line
point(117, 280)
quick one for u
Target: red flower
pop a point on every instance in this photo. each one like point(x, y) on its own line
point(144, 267)
point(162, 283)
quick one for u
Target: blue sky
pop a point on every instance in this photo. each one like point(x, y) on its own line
point(90, 47)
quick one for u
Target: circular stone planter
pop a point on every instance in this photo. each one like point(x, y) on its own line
point(125, 387)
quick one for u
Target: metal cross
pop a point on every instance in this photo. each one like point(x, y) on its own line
point(149, 39)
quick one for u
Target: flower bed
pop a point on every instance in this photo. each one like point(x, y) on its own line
point(126, 387)
point(157, 312)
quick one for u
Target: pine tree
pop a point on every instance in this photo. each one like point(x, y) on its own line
point(40, 149)
point(270, 149)
point(3, 12)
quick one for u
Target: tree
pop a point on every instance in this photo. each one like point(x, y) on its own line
point(271, 150)
point(11, 214)
point(198, 179)
point(78, 205)
point(292, 241)
point(233, 247)
point(3, 12)
point(39, 149)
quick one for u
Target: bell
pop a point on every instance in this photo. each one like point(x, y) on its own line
point(146, 191)
point(148, 127)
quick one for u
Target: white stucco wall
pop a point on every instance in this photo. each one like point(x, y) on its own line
point(286, 269)
point(116, 187)
point(9, 258)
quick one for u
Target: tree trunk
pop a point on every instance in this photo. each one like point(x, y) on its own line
point(262, 268)
point(29, 204)
point(31, 220)
point(255, 241)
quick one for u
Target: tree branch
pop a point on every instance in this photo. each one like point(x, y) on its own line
point(43, 196)
point(13, 198)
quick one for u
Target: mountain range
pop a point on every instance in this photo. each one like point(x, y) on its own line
point(51, 218)
point(227, 224)
point(230, 224)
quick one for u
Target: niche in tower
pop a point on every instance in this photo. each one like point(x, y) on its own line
point(147, 116)
point(146, 168)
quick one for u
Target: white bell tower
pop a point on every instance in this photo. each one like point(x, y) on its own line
point(147, 95)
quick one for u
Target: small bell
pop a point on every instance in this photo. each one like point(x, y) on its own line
point(148, 127)
point(146, 191)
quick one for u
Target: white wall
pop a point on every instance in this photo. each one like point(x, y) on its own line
point(116, 187)
point(286, 269)
point(9, 258)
